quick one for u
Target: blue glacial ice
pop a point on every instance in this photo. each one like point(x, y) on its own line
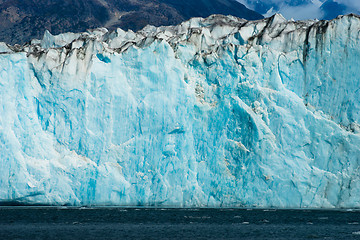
point(216, 112)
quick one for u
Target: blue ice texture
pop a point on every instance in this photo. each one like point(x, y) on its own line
point(215, 112)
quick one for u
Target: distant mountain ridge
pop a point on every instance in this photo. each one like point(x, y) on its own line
point(23, 20)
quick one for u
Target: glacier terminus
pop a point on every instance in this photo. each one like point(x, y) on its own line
point(214, 112)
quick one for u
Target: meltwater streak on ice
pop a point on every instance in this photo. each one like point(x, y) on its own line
point(212, 112)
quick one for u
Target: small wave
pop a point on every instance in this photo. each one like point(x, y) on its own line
point(197, 217)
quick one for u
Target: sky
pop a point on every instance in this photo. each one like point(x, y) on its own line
point(353, 4)
point(309, 10)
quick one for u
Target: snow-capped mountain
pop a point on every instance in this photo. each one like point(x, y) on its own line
point(212, 112)
point(304, 9)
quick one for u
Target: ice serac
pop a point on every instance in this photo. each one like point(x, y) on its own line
point(213, 112)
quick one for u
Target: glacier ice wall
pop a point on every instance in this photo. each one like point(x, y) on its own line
point(213, 112)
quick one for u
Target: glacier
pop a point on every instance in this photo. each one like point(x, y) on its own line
point(214, 112)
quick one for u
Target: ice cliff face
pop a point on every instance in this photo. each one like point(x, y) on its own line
point(212, 112)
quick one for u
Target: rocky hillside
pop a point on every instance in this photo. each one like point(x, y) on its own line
point(22, 20)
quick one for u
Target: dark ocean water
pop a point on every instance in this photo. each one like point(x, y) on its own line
point(150, 223)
